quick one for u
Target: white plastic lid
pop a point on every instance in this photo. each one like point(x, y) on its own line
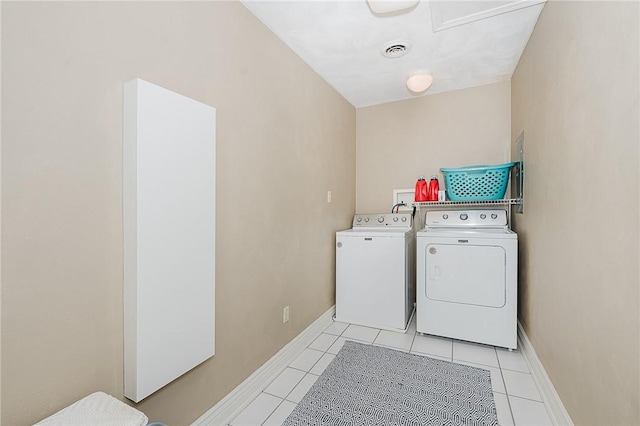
point(97, 409)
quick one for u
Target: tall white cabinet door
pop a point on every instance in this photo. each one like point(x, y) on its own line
point(169, 236)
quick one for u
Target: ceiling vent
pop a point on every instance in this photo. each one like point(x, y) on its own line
point(395, 49)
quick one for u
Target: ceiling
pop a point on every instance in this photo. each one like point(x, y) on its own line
point(461, 43)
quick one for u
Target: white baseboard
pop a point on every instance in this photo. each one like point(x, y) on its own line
point(550, 397)
point(237, 400)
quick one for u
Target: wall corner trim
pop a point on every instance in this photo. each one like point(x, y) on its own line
point(231, 405)
point(553, 403)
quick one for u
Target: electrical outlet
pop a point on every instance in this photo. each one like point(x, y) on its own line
point(328, 196)
point(285, 315)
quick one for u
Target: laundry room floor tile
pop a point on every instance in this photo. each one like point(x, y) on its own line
point(285, 382)
point(529, 413)
point(358, 332)
point(503, 409)
point(520, 385)
point(433, 345)
point(302, 388)
point(322, 364)
point(280, 414)
point(395, 340)
point(323, 342)
point(512, 360)
point(336, 328)
point(337, 345)
point(258, 411)
point(479, 354)
point(306, 359)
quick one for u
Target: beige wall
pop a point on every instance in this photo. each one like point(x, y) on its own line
point(397, 142)
point(0, 225)
point(284, 138)
point(575, 94)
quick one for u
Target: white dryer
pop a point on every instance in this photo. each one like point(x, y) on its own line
point(467, 263)
point(375, 271)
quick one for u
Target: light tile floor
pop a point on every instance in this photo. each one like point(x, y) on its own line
point(517, 399)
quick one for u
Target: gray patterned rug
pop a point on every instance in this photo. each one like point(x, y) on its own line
point(371, 385)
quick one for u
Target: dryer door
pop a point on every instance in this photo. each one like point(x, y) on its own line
point(466, 273)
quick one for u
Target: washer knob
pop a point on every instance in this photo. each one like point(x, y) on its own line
point(366, 219)
point(359, 219)
point(404, 219)
point(380, 219)
point(445, 216)
point(483, 216)
point(464, 216)
point(494, 216)
point(395, 218)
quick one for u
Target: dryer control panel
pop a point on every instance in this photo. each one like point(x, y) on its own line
point(467, 218)
point(383, 220)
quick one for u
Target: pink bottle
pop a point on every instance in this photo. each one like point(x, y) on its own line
point(434, 187)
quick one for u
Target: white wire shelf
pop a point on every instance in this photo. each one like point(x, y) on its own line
point(503, 202)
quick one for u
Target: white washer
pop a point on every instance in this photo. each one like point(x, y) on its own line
point(375, 271)
point(467, 267)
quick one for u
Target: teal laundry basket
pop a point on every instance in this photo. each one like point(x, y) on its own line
point(477, 183)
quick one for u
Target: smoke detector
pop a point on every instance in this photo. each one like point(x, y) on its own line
point(395, 49)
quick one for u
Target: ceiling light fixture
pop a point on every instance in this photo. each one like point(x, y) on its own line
point(419, 82)
point(390, 6)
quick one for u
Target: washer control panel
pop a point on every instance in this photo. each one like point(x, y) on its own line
point(467, 218)
point(383, 220)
